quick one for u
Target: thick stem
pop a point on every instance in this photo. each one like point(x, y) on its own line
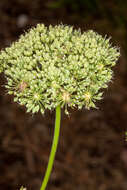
point(53, 148)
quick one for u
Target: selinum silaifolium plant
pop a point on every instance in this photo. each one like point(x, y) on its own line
point(58, 67)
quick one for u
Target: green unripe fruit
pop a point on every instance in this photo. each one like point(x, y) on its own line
point(58, 65)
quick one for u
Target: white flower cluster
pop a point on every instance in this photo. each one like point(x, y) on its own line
point(51, 66)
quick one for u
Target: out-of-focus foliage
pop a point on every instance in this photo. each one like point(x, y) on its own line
point(76, 5)
point(114, 10)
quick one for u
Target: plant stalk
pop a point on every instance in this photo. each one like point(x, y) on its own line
point(53, 148)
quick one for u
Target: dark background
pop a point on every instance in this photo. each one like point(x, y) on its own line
point(92, 152)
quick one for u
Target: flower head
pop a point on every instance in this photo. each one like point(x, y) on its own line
point(49, 66)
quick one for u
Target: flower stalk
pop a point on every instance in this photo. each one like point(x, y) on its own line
point(53, 148)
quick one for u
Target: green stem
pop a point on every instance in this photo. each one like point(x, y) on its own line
point(53, 148)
